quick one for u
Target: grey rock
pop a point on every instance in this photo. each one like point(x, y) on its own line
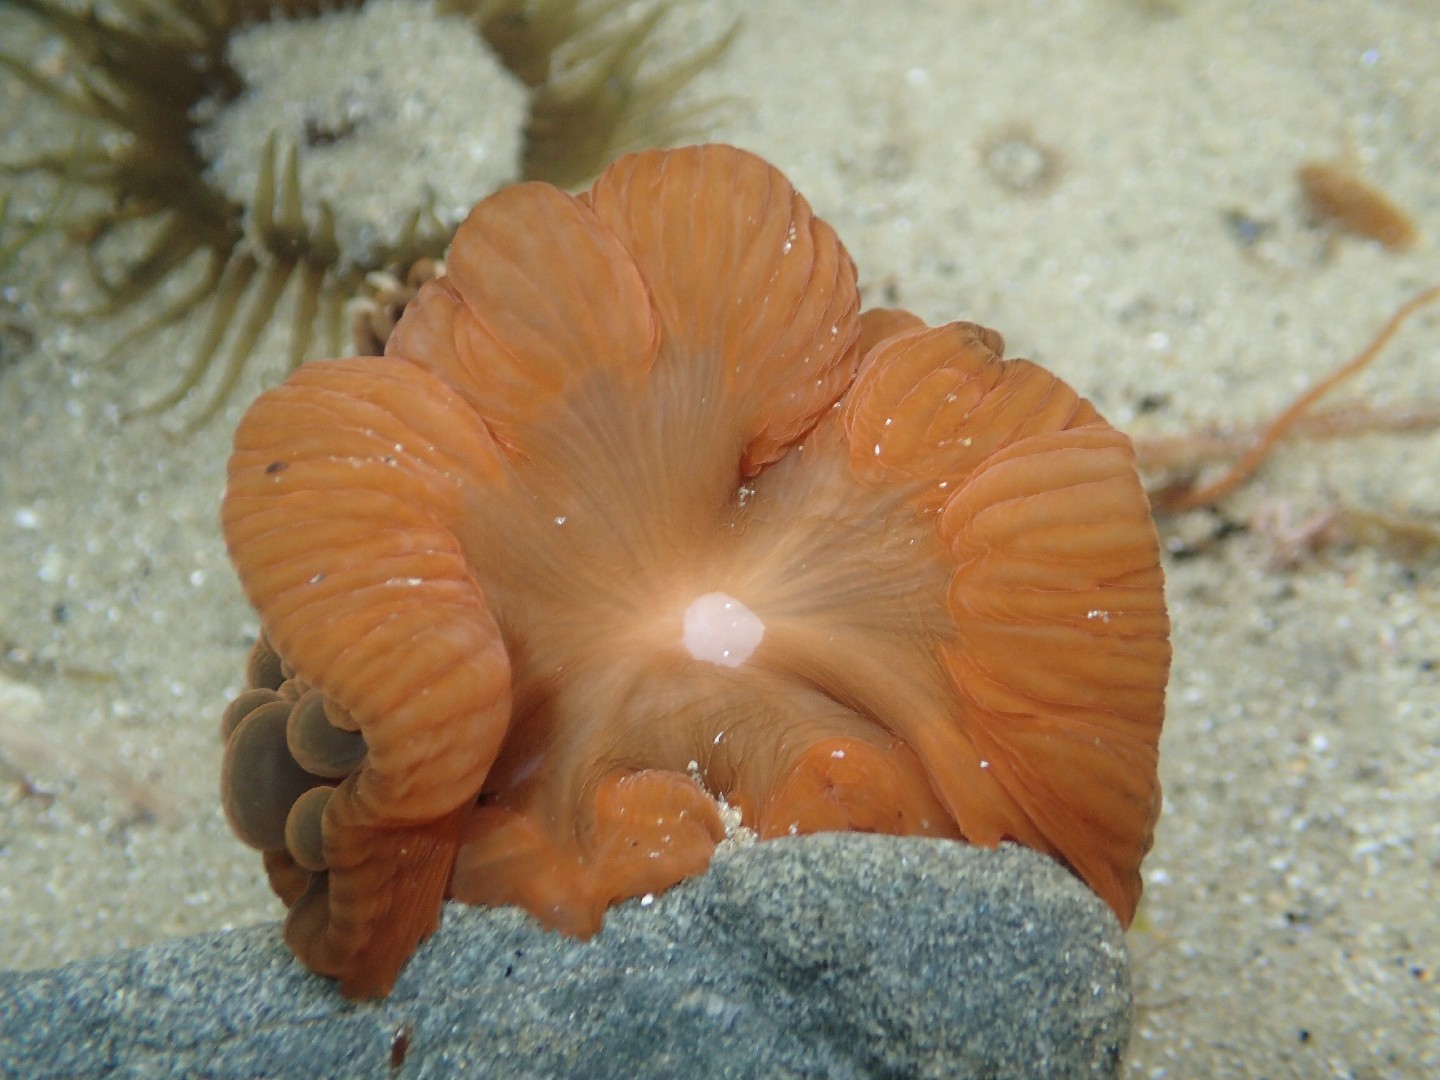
point(823, 956)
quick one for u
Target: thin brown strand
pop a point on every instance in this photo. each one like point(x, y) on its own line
point(147, 801)
point(170, 248)
point(1190, 498)
point(1337, 422)
point(262, 203)
point(81, 166)
point(526, 34)
point(307, 302)
point(656, 91)
point(261, 308)
point(77, 104)
point(172, 313)
point(234, 281)
point(289, 222)
point(332, 322)
point(1411, 539)
point(16, 236)
point(602, 106)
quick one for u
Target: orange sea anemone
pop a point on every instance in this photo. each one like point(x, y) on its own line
point(638, 510)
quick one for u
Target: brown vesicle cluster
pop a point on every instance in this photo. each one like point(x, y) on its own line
point(285, 750)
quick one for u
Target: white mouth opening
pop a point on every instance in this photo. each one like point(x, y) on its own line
point(721, 630)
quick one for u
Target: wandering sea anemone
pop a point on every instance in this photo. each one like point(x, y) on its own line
point(638, 512)
point(199, 152)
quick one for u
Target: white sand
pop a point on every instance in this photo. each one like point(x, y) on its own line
point(1290, 925)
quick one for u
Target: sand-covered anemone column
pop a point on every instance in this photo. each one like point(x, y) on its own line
point(315, 91)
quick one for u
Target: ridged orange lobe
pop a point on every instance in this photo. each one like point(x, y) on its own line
point(506, 858)
point(1061, 653)
point(929, 405)
point(877, 324)
point(382, 896)
point(645, 830)
point(756, 296)
point(652, 828)
point(846, 785)
point(537, 297)
point(344, 493)
point(344, 490)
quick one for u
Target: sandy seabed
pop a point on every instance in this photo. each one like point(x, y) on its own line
point(1167, 269)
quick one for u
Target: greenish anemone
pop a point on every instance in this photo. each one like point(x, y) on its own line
point(207, 148)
